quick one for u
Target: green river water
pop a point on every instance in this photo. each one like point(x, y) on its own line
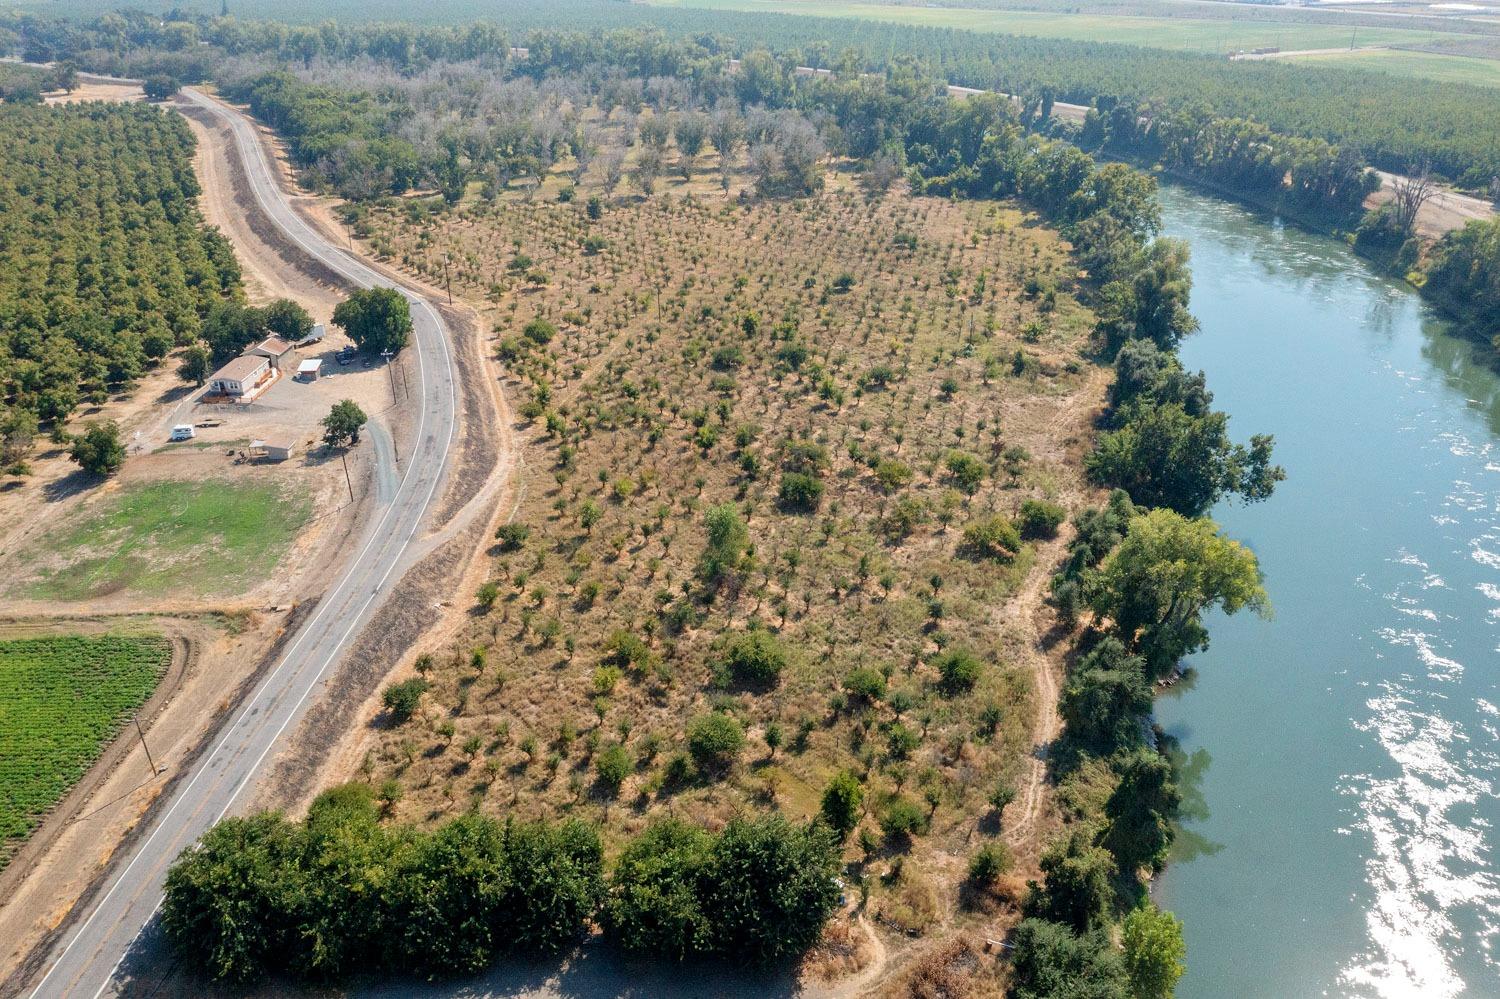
point(1343, 757)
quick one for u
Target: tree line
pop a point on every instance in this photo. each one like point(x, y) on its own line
point(1392, 122)
point(341, 894)
point(106, 264)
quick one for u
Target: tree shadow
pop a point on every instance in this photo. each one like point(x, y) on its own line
point(69, 485)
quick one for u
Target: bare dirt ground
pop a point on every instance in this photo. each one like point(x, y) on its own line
point(1445, 211)
point(98, 90)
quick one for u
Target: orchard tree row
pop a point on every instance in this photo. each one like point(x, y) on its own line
point(105, 262)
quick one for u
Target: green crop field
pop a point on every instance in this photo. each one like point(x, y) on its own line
point(214, 537)
point(1426, 65)
point(1180, 33)
point(61, 701)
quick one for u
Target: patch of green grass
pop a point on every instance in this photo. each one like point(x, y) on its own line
point(1177, 33)
point(212, 537)
point(61, 700)
point(1422, 65)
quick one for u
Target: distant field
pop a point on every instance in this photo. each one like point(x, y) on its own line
point(213, 537)
point(61, 701)
point(1178, 33)
point(1443, 68)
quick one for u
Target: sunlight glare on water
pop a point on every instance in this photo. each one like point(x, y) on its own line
point(1346, 752)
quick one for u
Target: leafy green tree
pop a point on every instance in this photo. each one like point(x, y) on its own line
point(1164, 575)
point(1039, 519)
point(728, 539)
point(1141, 810)
point(197, 364)
point(160, 87)
point(556, 886)
point(1154, 950)
point(841, 803)
point(224, 903)
point(655, 904)
point(714, 740)
point(901, 818)
point(1164, 456)
point(450, 900)
point(1079, 884)
point(770, 887)
point(376, 319)
point(865, 683)
point(800, 492)
point(342, 424)
point(1105, 699)
point(993, 537)
point(988, 863)
point(613, 765)
point(402, 699)
point(99, 450)
point(958, 671)
point(287, 319)
point(967, 470)
point(1050, 961)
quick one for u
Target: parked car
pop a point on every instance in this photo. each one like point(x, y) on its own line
point(345, 356)
point(183, 432)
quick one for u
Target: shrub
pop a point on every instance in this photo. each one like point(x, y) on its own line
point(967, 470)
point(958, 671)
point(512, 536)
point(892, 474)
point(902, 818)
point(901, 741)
point(1040, 519)
point(714, 740)
point(1048, 959)
point(613, 765)
point(992, 537)
point(986, 866)
point(753, 659)
point(487, 594)
point(539, 331)
point(800, 492)
point(866, 683)
point(626, 650)
point(401, 699)
point(841, 802)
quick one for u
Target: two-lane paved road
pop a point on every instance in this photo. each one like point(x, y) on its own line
point(86, 963)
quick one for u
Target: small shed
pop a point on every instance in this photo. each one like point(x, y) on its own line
point(309, 369)
point(277, 448)
point(273, 349)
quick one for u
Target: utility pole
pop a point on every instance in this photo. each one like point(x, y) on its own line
point(142, 734)
point(446, 282)
point(344, 457)
point(390, 371)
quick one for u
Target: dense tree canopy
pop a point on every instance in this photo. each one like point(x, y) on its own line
point(105, 263)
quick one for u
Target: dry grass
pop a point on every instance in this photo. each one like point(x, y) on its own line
point(655, 400)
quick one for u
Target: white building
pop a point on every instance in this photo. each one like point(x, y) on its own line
point(241, 376)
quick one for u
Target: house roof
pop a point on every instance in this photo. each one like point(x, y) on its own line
point(242, 367)
point(311, 364)
point(281, 442)
point(273, 345)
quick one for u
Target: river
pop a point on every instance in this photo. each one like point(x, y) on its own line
point(1342, 758)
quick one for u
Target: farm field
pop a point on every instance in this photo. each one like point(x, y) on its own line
point(1178, 33)
point(61, 700)
point(856, 388)
point(211, 537)
point(1426, 65)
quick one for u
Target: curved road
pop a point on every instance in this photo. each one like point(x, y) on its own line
point(92, 961)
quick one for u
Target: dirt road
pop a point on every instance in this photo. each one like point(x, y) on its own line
point(95, 960)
